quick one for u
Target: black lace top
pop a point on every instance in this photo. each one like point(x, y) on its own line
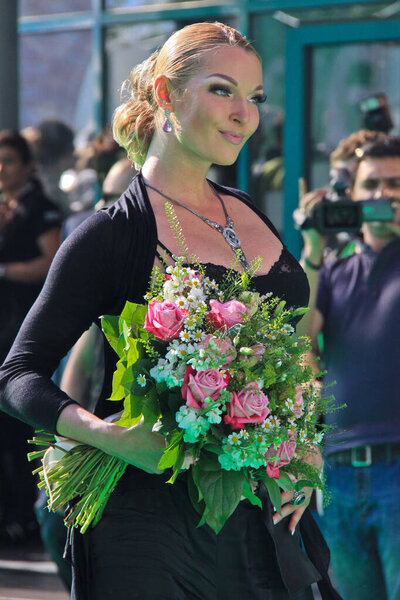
point(286, 279)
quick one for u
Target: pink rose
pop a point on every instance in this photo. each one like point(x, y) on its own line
point(164, 319)
point(258, 349)
point(203, 384)
point(272, 470)
point(298, 403)
point(255, 357)
point(223, 348)
point(249, 405)
point(225, 315)
point(280, 456)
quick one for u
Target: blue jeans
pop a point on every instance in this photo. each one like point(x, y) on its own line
point(362, 527)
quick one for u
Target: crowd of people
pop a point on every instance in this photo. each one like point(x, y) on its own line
point(194, 105)
point(36, 213)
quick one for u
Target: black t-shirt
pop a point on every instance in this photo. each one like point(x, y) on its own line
point(32, 217)
point(359, 298)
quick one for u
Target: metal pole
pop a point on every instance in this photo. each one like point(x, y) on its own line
point(8, 64)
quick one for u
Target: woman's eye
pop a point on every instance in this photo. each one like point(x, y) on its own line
point(258, 98)
point(220, 90)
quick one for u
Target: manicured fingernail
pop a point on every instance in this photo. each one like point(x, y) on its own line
point(293, 531)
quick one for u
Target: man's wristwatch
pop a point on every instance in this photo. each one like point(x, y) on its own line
point(2, 271)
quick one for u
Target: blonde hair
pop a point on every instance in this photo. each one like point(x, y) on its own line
point(134, 121)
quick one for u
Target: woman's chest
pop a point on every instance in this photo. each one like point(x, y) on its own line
point(181, 230)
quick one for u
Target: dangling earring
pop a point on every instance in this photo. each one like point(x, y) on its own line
point(167, 125)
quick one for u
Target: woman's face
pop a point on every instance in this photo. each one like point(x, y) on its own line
point(218, 111)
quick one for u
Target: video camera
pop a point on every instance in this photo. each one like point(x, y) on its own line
point(338, 212)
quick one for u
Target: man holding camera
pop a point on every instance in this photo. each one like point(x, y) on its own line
point(356, 306)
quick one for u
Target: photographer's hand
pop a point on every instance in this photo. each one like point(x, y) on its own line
point(313, 249)
point(314, 242)
point(394, 226)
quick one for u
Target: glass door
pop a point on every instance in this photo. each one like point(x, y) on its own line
point(330, 71)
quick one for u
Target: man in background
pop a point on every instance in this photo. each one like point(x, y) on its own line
point(356, 308)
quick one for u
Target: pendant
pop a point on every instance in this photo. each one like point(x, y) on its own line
point(231, 237)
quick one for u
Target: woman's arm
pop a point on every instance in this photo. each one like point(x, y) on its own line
point(80, 287)
point(137, 445)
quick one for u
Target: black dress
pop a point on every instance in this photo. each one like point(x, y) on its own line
point(147, 544)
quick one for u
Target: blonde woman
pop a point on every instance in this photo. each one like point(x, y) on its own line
point(193, 103)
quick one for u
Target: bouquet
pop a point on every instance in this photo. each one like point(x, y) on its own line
point(218, 370)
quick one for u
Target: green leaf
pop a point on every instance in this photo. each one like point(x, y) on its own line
point(133, 351)
point(118, 392)
point(178, 465)
point(194, 472)
point(221, 490)
point(132, 372)
point(284, 482)
point(274, 493)
point(250, 495)
point(194, 493)
point(208, 462)
point(170, 456)
point(132, 409)
point(151, 407)
point(302, 483)
point(298, 312)
point(279, 309)
point(134, 316)
point(128, 421)
point(109, 325)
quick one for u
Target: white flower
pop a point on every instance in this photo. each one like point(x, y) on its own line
point(181, 301)
point(289, 404)
point(141, 379)
point(275, 421)
point(234, 439)
point(303, 436)
point(287, 329)
point(185, 335)
point(318, 437)
point(198, 335)
point(213, 416)
point(190, 323)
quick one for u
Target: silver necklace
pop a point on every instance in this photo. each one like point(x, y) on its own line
point(228, 232)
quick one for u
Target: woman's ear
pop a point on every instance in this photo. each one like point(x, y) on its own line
point(162, 93)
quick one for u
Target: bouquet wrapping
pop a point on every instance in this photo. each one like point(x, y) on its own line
point(219, 371)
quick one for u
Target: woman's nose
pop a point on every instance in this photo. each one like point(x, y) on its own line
point(241, 110)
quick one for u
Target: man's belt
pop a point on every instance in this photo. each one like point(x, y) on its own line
point(365, 456)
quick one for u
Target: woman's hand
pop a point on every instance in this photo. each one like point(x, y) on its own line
point(140, 446)
point(314, 459)
point(288, 508)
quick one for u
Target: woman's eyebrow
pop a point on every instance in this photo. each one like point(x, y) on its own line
point(231, 80)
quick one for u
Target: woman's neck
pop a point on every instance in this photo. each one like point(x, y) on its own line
point(178, 177)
